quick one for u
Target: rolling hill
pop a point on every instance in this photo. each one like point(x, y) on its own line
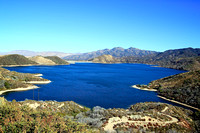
point(15, 60)
point(104, 59)
point(42, 60)
point(49, 60)
point(57, 60)
point(20, 60)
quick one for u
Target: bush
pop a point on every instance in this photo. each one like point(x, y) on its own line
point(17, 118)
point(7, 85)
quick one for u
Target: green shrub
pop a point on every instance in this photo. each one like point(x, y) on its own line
point(7, 85)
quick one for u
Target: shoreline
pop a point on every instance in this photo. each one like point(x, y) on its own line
point(134, 86)
point(20, 89)
point(186, 105)
point(39, 82)
point(17, 65)
point(33, 65)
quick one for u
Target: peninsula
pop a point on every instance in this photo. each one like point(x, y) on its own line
point(14, 81)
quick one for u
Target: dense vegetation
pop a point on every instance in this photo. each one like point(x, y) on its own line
point(57, 60)
point(12, 79)
point(52, 116)
point(183, 87)
point(15, 60)
point(116, 52)
point(19, 117)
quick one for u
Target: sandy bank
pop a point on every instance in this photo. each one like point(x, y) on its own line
point(34, 65)
point(18, 65)
point(140, 88)
point(19, 89)
point(38, 82)
point(179, 103)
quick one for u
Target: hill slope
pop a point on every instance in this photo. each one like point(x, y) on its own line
point(184, 87)
point(116, 52)
point(57, 60)
point(104, 59)
point(52, 116)
point(42, 60)
point(15, 60)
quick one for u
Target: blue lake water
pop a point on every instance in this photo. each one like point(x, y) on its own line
point(91, 84)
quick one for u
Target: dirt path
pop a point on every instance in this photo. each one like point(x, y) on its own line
point(138, 121)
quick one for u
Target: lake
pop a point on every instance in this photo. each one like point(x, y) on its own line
point(93, 84)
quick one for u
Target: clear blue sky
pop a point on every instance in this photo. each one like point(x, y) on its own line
point(88, 25)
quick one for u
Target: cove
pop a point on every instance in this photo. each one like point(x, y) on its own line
point(93, 84)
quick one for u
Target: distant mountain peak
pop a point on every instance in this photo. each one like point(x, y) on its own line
point(117, 48)
point(134, 48)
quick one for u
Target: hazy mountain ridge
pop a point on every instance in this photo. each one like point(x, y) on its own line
point(116, 52)
point(29, 53)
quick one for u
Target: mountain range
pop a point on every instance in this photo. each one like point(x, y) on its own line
point(183, 59)
point(116, 52)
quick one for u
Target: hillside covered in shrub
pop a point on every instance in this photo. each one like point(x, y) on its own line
point(184, 87)
point(52, 116)
point(23, 117)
